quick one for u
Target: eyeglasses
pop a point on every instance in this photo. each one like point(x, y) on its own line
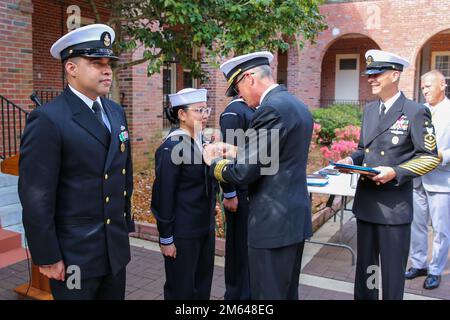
point(202, 111)
point(243, 76)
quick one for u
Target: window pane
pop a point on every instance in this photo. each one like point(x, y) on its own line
point(187, 80)
point(447, 89)
point(443, 65)
point(167, 81)
point(347, 64)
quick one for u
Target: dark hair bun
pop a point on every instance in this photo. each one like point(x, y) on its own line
point(171, 114)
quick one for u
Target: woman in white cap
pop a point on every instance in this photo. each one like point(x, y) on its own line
point(183, 200)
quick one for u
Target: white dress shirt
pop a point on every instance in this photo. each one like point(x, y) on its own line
point(389, 103)
point(89, 102)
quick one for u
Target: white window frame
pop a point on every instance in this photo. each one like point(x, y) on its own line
point(436, 54)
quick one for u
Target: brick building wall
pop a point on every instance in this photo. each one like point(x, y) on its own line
point(399, 26)
point(440, 42)
point(16, 70)
point(16, 59)
point(49, 24)
point(145, 116)
point(403, 27)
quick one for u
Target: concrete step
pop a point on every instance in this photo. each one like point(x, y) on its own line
point(10, 215)
point(9, 195)
point(13, 256)
point(7, 180)
point(18, 228)
point(9, 240)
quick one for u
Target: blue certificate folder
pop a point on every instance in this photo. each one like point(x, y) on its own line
point(316, 180)
point(356, 169)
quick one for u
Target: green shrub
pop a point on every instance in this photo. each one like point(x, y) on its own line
point(334, 117)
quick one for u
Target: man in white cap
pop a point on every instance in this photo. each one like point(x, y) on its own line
point(432, 191)
point(397, 138)
point(76, 177)
point(280, 214)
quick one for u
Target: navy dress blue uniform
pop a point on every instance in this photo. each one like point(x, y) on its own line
point(75, 186)
point(237, 115)
point(402, 139)
point(183, 202)
point(280, 213)
point(76, 180)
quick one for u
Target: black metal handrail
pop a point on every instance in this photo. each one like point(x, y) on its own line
point(47, 95)
point(12, 123)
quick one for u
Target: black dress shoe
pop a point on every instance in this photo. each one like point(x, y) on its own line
point(413, 273)
point(432, 282)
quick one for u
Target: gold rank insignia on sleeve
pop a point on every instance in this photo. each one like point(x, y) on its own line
point(430, 139)
point(220, 168)
point(421, 165)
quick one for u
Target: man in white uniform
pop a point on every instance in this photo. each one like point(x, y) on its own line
point(432, 191)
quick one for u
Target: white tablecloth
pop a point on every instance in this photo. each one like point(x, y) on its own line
point(339, 185)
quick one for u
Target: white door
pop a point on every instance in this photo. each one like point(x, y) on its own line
point(347, 77)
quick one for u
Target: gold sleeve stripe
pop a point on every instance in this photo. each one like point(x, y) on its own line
point(425, 161)
point(419, 173)
point(219, 169)
point(415, 169)
point(425, 166)
point(421, 165)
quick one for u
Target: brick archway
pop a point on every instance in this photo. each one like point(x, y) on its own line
point(433, 53)
point(354, 46)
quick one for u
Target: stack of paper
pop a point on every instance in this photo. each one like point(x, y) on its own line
point(317, 180)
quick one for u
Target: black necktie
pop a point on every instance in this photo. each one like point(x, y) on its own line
point(98, 113)
point(383, 111)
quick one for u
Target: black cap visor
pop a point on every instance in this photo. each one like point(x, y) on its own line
point(239, 69)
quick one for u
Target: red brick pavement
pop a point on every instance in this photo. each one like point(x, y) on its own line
point(335, 263)
point(145, 274)
point(145, 280)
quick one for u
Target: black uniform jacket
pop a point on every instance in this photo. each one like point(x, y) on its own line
point(280, 213)
point(404, 140)
point(75, 186)
point(236, 117)
point(183, 196)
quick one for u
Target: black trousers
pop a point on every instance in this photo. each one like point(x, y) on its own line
point(275, 273)
point(385, 245)
point(108, 287)
point(237, 276)
point(189, 275)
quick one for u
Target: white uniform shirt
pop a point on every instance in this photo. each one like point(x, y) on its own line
point(438, 180)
